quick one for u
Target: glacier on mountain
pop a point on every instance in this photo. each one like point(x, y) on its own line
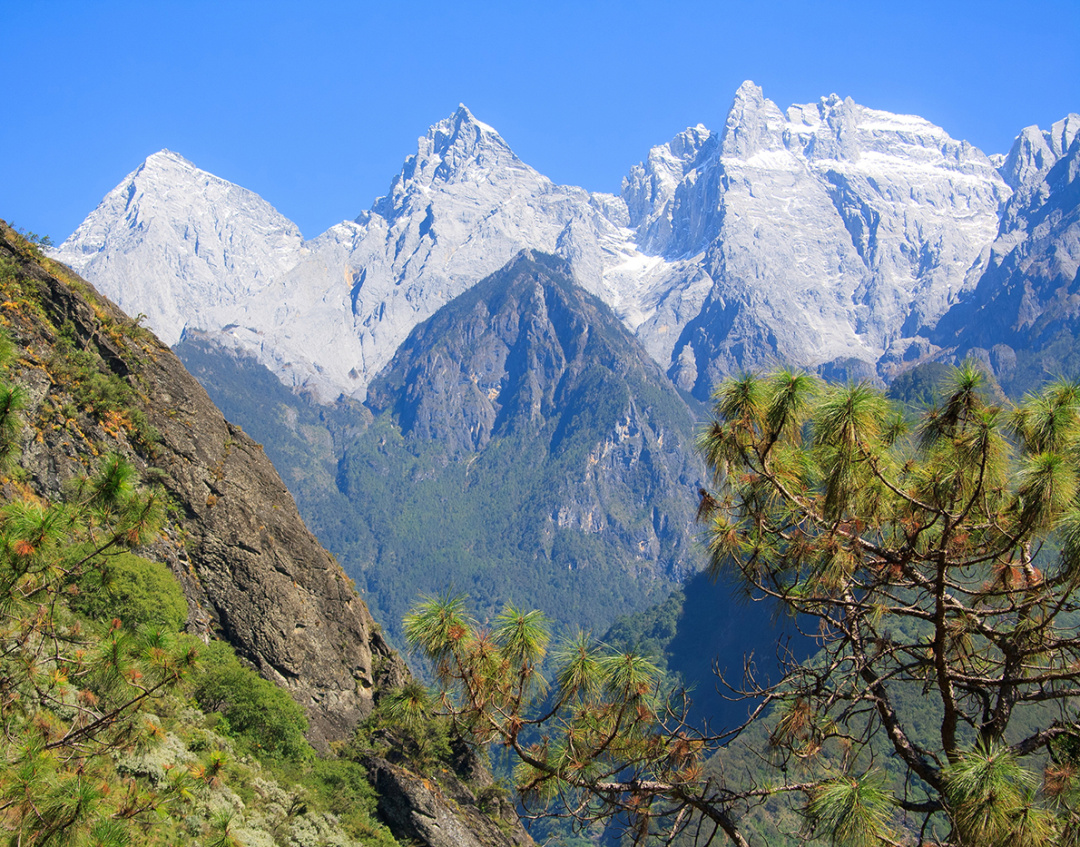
point(831, 235)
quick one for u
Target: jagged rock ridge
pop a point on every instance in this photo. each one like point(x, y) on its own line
point(830, 235)
point(1023, 318)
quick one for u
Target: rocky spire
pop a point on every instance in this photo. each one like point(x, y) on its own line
point(1035, 151)
point(457, 149)
point(754, 124)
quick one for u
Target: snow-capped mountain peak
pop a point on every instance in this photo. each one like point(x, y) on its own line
point(754, 124)
point(463, 127)
point(181, 245)
point(829, 235)
point(458, 210)
point(457, 150)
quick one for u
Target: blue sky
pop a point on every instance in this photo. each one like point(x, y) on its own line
point(316, 105)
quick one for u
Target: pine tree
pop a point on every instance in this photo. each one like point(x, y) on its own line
point(935, 561)
point(74, 694)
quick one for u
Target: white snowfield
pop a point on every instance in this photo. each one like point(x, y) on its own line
point(828, 233)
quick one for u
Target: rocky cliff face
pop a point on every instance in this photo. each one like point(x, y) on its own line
point(446, 813)
point(830, 235)
point(250, 568)
point(1023, 317)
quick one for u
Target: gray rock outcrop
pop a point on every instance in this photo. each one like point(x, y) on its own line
point(442, 813)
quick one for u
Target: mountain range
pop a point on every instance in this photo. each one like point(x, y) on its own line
point(831, 235)
point(423, 361)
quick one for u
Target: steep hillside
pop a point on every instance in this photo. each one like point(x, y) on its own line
point(95, 384)
point(549, 459)
point(249, 566)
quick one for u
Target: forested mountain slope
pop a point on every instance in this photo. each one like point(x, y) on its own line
point(520, 446)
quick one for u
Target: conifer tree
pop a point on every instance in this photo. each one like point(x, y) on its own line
point(72, 693)
point(936, 563)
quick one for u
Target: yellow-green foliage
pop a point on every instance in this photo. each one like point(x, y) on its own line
point(254, 710)
point(75, 695)
point(99, 392)
point(137, 591)
point(97, 737)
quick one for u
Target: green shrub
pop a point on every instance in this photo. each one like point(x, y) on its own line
point(254, 710)
point(97, 390)
point(403, 728)
point(343, 788)
point(138, 591)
